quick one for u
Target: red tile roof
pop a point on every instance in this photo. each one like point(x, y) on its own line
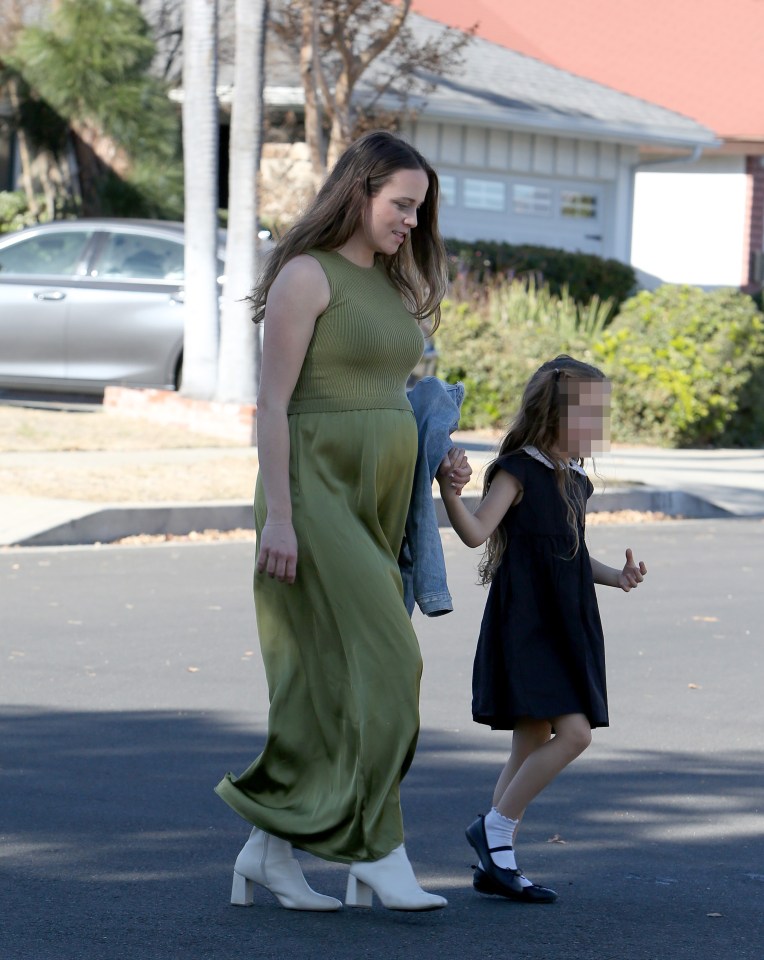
point(701, 58)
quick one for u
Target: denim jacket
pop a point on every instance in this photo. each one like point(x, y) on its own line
point(436, 406)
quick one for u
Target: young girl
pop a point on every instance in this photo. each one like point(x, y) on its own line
point(540, 663)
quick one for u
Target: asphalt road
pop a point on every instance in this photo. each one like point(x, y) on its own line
point(132, 682)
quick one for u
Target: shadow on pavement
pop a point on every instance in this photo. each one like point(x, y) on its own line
point(114, 845)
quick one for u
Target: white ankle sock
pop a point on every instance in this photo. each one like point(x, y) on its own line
point(499, 831)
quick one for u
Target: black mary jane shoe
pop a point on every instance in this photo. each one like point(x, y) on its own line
point(486, 885)
point(499, 881)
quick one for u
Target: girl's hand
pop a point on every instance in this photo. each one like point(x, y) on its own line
point(454, 470)
point(278, 552)
point(631, 575)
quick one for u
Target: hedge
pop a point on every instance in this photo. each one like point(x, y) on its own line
point(583, 274)
point(687, 368)
point(495, 342)
point(687, 365)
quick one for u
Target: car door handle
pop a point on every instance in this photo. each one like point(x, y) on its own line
point(593, 236)
point(49, 295)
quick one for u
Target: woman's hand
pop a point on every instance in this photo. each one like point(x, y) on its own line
point(632, 574)
point(278, 551)
point(454, 470)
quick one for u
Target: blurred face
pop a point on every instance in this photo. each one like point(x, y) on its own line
point(392, 214)
point(584, 417)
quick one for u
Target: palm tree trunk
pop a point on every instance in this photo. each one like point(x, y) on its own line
point(239, 361)
point(200, 165)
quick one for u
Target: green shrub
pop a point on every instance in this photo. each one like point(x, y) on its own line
point(493, 343)
point(687, 368)
point(583, 274)
point(14, 211)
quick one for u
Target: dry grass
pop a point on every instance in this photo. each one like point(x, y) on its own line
point(229, 474)
point(27, 430)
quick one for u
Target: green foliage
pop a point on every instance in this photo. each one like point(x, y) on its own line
point(494, 343)
point(687, 365)
point(93, 64)
point(584, 275)
point(687, 368)
point(14, 211)
point(91, 68)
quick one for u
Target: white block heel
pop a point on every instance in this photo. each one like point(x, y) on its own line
point(270, 862)
point(358, 894)
point(393, 881)
point(242, 891)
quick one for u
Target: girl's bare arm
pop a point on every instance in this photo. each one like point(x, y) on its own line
point(627, 579)
point(475, 528)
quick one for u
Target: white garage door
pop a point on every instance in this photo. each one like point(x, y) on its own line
point(570, 214)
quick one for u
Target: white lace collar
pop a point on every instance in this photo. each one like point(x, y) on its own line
point(538, 455)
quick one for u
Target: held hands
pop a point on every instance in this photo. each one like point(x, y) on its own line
point(454, 471)
point(278, 551)
point(631, 575)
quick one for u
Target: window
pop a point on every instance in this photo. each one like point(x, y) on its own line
point(447, 190)
point(530, 201)
point(581, 205)
point(134, 257)
point(55, 254)
point(484, 194)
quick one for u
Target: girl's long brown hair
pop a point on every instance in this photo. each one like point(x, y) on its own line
point(418, 269)
point(537, 424)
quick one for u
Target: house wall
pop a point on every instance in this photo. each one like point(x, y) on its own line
point(531, 188)
point(689, 223)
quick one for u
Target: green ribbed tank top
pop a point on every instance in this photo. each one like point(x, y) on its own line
point(364, 345)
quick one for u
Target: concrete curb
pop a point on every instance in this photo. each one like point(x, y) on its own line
point(115, 522)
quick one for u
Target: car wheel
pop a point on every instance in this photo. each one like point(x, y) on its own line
point(179, 373)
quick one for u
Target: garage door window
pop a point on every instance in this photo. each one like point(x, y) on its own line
point(447, 190)
point(580, 205)
point(531, 201)
point(484, 194)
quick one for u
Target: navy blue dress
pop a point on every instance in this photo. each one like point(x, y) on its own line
point(541, 651)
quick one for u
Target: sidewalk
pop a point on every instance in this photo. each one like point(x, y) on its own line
point(688, 483)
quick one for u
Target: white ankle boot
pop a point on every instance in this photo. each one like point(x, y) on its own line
point(393, 881)
point(269, 861)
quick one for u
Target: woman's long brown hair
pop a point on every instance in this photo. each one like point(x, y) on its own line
point(537, 424)
point(418, 269)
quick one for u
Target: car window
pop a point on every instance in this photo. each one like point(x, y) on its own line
point(135, 257)
point(53, 254)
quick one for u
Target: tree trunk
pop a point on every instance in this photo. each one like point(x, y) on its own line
point(200, 166)
point(342, 121)
point(310, 65)
point(25, 153)
point(239, 361)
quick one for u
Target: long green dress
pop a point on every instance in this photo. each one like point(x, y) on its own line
point(341, 657)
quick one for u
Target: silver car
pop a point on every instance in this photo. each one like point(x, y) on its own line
point(87, 303)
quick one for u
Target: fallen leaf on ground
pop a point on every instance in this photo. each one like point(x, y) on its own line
point(694, 686)
point(556, 839)
point(706, 619)
point(193, 669)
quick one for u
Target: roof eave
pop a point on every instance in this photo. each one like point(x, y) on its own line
point(584, 128)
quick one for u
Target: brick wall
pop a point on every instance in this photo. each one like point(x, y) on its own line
point(754, 227)
point(233, 421)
